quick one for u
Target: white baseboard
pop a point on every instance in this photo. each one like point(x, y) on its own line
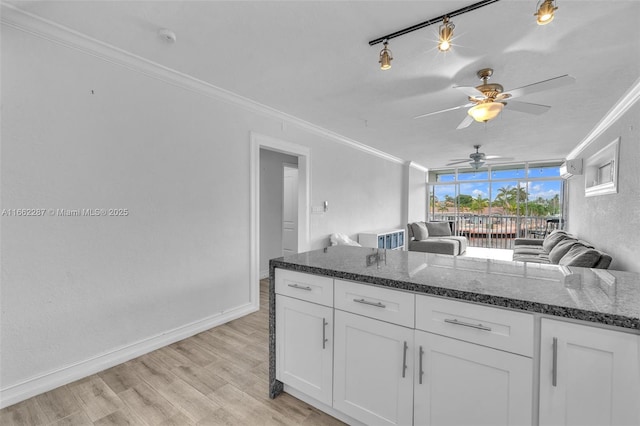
point(264, 274)
point(70, 373)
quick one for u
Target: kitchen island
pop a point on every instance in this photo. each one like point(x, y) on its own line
point(447, 326)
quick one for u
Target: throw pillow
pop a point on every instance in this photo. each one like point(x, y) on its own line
point(579, 255)
point(561, 249)
point(439, 229)
point(419, 231)
point(552, 239)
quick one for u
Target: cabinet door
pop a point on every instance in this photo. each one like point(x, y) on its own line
point(373, 374)
point(588, 376)
point(304, 347)
point(461, 383)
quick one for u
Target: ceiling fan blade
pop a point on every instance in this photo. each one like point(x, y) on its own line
point(528, 107)
point(465, 123)
point(466, 160)
point(551, 83)
point(470, 91)
point(443, 110)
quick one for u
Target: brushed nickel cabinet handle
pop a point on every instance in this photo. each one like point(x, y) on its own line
point(324, 333)
point(421, 372)
point(404, 359)
point(366, 302)
point(467, 324)
point(300, 287)
point(554, 368)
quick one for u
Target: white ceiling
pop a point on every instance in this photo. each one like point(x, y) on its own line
point(311, 59)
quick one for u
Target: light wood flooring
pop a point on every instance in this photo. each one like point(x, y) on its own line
point(218, 377)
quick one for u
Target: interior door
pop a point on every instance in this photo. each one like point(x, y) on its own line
point(290, 211)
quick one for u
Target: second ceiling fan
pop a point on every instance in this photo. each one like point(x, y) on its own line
point(477, 159)
point(487, 100)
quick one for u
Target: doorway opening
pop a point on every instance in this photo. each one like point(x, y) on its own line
point(279, 204)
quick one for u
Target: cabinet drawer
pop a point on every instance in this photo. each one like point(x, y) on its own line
point(375, 302)
point(312, 288)
point(493, 327)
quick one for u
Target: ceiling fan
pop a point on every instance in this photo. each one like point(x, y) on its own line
point(487, 100)
point(477, 158)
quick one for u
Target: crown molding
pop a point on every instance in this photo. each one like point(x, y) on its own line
point(417, 166)
point(35, 25)
point(624, 103)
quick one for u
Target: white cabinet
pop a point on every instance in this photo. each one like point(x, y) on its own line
point(373, 370)
point(391, 239)
point(383, 356)
point(380, 303)
point(588, 375)
point(472, 356)
point(312, 288)
point(304, 352)
point(461, 383)
point(485, 325)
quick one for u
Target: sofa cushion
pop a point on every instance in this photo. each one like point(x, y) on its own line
point(604, 262)
point(579, 255)
point(552, 239)
point(419, 231)
point(528, 249)
point(463, 241)
point(439, 229)
point(435, 245)
point(561, 249)
point(529, 258)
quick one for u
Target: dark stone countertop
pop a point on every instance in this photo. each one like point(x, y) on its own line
point(594, 295)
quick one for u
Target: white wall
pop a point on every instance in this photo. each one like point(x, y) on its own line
point(612, 222)
point(82, 293)
point(271, 203)
point(364, 193)
point(415, 202)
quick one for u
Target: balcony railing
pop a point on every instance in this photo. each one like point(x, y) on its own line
point(495, 231)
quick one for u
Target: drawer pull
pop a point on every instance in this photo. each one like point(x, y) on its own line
point(467, 324)
point(300, 287)
point(366, 302)
point(404, 359)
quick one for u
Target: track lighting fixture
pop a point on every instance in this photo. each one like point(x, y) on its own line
point(385, 57)
point(446, 32)
point(545, 12)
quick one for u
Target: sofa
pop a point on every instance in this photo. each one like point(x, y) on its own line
point(435, 237)
point(560, 248)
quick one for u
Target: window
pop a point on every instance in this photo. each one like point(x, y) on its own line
point(493, 206)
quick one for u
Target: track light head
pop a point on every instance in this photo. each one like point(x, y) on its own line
point(545, 12)
point(445, 34)
point(385, 57)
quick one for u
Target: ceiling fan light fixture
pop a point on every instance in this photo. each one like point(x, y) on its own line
point(445, 34)
point(485, 111)
point(476, 164)
point(385, 57)
point(546, 12)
